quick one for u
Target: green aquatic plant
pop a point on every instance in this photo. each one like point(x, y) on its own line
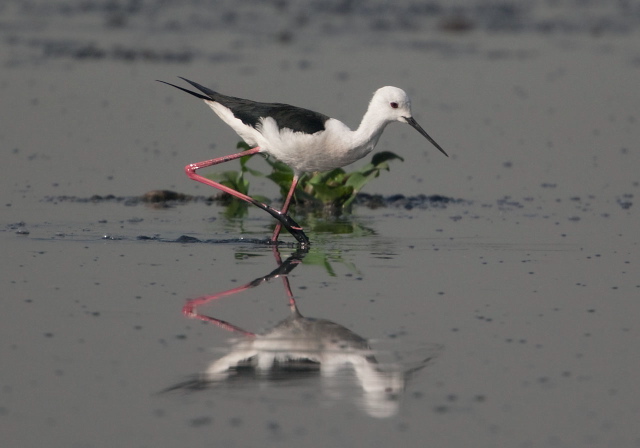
point(332, 191)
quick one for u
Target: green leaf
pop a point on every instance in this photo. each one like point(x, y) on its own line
point(279, 166)
point(224, 176)
point(330, 177)
point(236, 209)
point(333, 194)
point(243, 162)
point(352, 198)
point(231, 179)
point(283, 180)
point(243, 145)
point(384, 156)
point(357, 180)
point(255, 173)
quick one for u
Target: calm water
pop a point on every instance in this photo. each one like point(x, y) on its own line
point(508, 318)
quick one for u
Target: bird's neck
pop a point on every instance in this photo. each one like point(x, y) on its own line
point(370, 130)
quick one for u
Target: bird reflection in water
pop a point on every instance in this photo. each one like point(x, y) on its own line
point(299, 346)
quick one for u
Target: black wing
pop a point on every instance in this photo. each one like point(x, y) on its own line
point(250, 112)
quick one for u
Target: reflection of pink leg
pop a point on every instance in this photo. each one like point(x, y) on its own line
point(283, 269)
point(189, 310)
point(281, 216)
point(285, 281)
point(224, 325)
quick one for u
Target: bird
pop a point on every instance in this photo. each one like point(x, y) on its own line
point(305, 140)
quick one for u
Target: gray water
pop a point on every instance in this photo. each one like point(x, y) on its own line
point(508, 318)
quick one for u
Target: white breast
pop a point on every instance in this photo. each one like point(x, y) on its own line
point(323, 151)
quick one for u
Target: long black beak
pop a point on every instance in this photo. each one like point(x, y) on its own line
point(418, 128)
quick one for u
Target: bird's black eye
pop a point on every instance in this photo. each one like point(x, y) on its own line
point(393, 105)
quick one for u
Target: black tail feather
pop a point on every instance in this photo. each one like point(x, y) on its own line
point(196, 94)
point(212, 94)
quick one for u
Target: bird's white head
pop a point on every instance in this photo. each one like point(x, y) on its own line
point(393, 104)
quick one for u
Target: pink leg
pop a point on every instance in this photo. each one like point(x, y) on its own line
point(193, 167)
point(281, 216)
point(285, 207)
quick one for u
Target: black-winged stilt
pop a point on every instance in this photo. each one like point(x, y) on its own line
point(303, 139)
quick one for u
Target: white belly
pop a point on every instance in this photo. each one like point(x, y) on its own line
point(322, 151)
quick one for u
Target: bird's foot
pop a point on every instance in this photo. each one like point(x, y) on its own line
point(300, 236)
point(287, 222)
point(293, 228)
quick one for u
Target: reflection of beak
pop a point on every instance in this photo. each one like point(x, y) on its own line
point(418, 128)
